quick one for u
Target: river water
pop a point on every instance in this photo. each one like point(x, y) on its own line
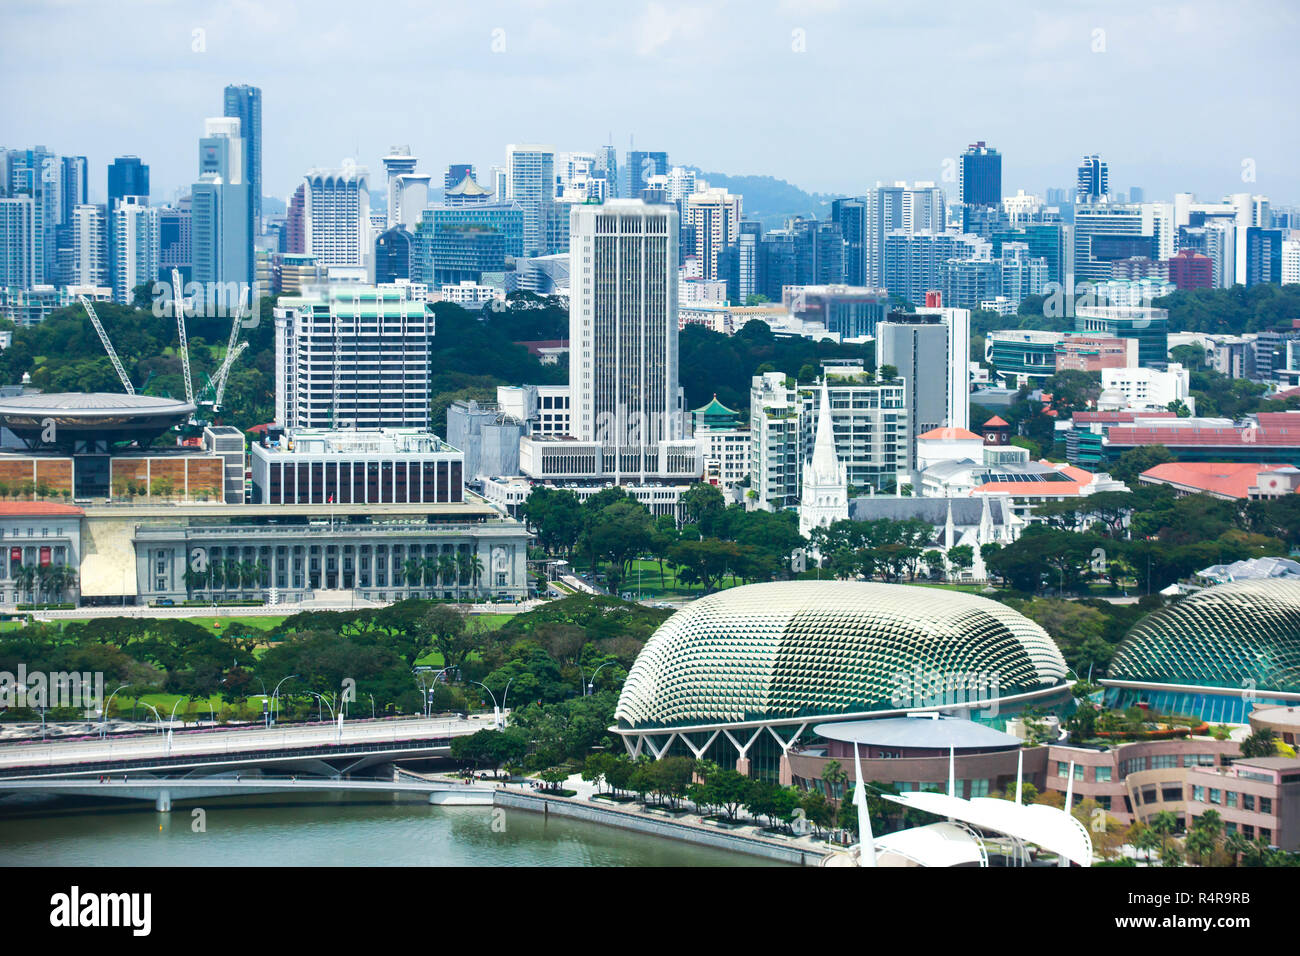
point(324, 830)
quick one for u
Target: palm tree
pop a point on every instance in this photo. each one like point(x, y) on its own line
point(1256, 852)
point(195, 580)
point(1236, 844)
point(446, 568)
point(474, 566)
point(1145, 839)
point(429, 571)
point(1164, 823)
point(24, 578)
point(413, 569)
point(461, 570)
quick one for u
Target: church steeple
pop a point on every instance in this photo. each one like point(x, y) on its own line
point(825, 497)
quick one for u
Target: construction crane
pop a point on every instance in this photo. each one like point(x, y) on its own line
point(216, 385)
point(108, 346)
point(180, 331)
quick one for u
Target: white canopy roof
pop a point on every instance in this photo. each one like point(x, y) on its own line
point(1046, 827)
point(939, 844)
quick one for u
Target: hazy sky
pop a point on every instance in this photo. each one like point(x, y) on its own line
point(831, 95)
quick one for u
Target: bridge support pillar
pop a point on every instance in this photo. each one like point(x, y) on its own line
point(163, 802)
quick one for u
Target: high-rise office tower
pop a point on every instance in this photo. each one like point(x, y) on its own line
point(336, 214)
point(640, 166)
point(74, 171)
point(623, 329)
point(931, 350)
point(127, 176)
point(714, 216)
point(408, 191)
point(979, 176)
point(353, 356)
point(531, 183)
point(738, 264)
point(1263, 255)
point(295, 231)
point(607, 169)
point(245, 103)
point(918, 208)
point(136, 234)
point(851, 216)
point(176, 236)
point(1094, 180)
point(221, 236)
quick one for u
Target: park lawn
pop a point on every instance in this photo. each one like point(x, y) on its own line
point(219, 625)
point(654, 585)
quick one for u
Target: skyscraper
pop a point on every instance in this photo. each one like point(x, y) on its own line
point(135, 231)
point(979, 178)
point(715, 217)
point(1094, 180)
point(623, 330)
point(931, 351)
point(127, 176)
point(640, 166)
point(221, 236)
point(911, 209)
point(531, 183)
point(336, 214)
point(89, 232)
point(245, 103)
point(851, 216)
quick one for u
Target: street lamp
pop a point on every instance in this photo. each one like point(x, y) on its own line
point(496, 711)
point(591, 685)
point(171, 719)
point(157, 716)
point(275, 695)
point(322, 700)
point(504, 694)
point(103, 718)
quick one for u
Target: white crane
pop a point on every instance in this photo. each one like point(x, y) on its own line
point(180, 331)
point(217, 381)
point(108, 346)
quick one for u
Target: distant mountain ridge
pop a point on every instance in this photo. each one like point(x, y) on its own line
point(769, 199)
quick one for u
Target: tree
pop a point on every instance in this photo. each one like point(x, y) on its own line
point(1144, 839)
point(1133, 462)
point(1262, 743)
point(836, 780)
point(446, 628)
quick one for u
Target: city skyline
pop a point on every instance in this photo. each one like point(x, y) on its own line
point(1092, 80)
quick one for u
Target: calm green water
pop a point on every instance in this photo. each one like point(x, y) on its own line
point(326, 830)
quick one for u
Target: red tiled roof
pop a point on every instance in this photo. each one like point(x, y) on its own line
point(8, 508)
point(1115, 418)
point(995, 422)
point(1271, 435)
point(950, 434)
point(1220, 478)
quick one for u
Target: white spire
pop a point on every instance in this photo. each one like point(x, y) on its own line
point(985, 535)
point(949, 532)
point(826, 466)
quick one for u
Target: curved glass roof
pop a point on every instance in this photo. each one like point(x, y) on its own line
point(1224, 636)
point(796, 649)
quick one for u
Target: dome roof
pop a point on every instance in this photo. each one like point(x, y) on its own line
point(1224, 636)
point(795, 649)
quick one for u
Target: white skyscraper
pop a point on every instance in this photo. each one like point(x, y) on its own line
point(136, 235)
point(623, 328)
point(336, 216)
point(918, 208)
point(531, 183)
point(715, 214)
point(89, 233)
point(408, 191)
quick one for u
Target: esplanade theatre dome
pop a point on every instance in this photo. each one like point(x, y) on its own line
point(1233, 637)
point(794, 650)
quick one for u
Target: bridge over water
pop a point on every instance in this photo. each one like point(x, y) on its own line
point(326, 749)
